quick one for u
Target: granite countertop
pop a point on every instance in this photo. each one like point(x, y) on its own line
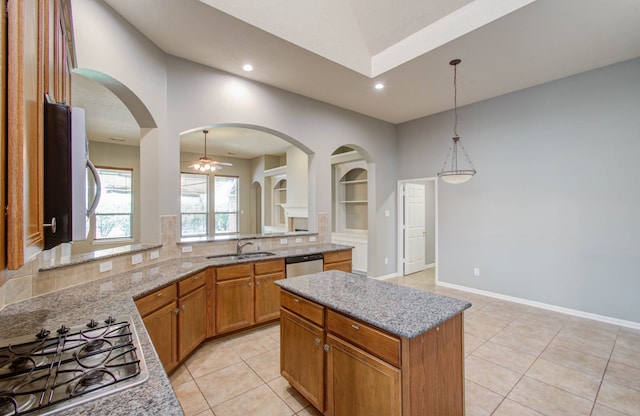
point(114, 296)
point(398, 309)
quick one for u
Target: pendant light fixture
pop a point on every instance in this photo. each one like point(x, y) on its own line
point(205, 164)
point(450, 172)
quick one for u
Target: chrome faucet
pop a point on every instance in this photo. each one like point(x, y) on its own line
point(241, 246)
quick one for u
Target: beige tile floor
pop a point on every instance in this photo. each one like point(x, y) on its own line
point(519, 360)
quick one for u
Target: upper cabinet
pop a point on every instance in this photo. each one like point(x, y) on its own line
point(39, 61)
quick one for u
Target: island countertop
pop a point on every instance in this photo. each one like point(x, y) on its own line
point(398, 309)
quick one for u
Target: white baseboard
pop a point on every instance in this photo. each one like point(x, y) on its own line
point(554, 308)
point(386, 276)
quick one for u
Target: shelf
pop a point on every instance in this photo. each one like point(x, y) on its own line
point(353, 202)
point(353, 182)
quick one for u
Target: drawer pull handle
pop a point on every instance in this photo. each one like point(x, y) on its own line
point(356, 327)
point(296, 300)
point(160, 294)
point(196, 277)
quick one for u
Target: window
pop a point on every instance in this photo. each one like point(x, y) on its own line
point(114, 212)
point(194, 197)
point(226, 204)
point(198, 194)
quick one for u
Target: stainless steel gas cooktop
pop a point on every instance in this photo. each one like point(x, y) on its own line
point(52, 371)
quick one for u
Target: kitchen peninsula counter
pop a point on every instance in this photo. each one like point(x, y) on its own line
point(113, 296)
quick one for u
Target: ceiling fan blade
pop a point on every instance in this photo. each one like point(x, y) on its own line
point(223, 163)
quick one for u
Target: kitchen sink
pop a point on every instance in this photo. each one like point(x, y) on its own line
point(242, 256)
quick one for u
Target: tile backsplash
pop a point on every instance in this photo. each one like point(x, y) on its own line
point(29, 281)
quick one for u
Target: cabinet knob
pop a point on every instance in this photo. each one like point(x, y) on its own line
point(326, 347)
point(356, 327)
point(176, 311)
point(249, 284)
point(317, 341)
point(183, 307)
point(257, 283)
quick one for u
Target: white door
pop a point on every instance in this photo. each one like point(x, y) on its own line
point(414, 228)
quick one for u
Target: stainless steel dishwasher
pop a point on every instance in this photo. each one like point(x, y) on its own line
point(306, 264)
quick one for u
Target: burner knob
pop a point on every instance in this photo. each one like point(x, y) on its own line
point(43, 334)
point(110, 320)
point(92, 324)
point(63, 330)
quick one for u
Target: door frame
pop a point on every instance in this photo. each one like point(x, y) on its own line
point(400, 217)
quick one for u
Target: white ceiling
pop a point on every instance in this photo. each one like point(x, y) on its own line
point(335, 50)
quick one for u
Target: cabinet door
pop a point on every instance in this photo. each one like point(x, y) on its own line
point(191, 321)
point(162, 326)
point(359, 384)
point(234, 304)
point(302, 357)
point(25, 115)
point(267, 306)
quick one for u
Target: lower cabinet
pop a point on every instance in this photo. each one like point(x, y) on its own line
point(302, 356)
point(338, 260)
point(162, 326)
point(359, 383)
point(174, 317)
point(246, 294)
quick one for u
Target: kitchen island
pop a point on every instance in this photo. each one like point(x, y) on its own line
point(358, 346)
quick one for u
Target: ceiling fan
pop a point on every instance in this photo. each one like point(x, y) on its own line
point(205, 164)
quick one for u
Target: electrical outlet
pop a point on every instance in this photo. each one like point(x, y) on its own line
point(476, 271)
point(136, 258)
point(154, 255)
point(284, 241)
point(105, 266)
point(312, 239)
point(187, 249)
point(298, 240)
point(386, 260)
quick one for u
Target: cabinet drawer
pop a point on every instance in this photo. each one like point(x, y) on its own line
point(268, 267)
point(191, 283)
point(305, 308)
point(344, 266)
point(367, 337)
point(156, 300)
point(233, 272)
point(336, 256)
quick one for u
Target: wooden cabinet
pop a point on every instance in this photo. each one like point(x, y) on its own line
point(246, 294)
point(160, 316)
point(192, 314)
point(338, 260)
point(302, 355)
point(39, 61)
point(368, 370)
point(175, 318)
point(358, 383)
point(267, 294)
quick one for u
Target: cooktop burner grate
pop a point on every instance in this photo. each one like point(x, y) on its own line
point(54, 370)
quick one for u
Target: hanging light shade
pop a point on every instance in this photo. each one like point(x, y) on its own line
point(205, 164)
point(450, 172)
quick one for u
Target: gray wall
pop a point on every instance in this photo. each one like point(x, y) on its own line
point(553, 214)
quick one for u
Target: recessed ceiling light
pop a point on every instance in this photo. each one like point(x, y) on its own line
point(248, 67)
point(379, 86)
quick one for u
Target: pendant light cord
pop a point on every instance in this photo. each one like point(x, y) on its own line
point(455, 100)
